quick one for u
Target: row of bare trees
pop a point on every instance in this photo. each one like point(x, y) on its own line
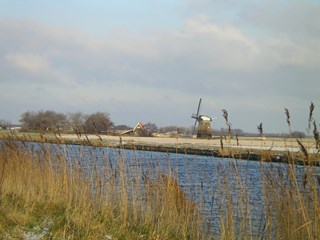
point(98, 122)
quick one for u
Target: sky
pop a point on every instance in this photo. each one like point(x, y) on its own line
point(152, 60)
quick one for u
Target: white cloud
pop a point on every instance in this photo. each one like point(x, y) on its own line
point(156, 74)
point(29, 63)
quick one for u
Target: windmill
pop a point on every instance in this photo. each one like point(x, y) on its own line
point(204, 124)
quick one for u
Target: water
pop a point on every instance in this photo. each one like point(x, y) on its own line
point(215, 184)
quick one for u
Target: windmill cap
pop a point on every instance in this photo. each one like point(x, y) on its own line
point(205, 118)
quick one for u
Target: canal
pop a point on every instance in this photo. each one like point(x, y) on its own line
point(218, 186)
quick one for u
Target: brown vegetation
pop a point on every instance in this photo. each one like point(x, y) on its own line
point(41, 185)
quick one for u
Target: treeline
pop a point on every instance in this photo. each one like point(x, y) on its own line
point(240, 132)
point(98, 122)
point(176, 129)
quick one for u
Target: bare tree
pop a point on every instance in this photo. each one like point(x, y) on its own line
point(98, 122)
point(150, 128)
point(43, 120)
point(76, 119)
point(27, 120)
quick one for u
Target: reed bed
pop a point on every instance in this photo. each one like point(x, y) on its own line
point(43, 193)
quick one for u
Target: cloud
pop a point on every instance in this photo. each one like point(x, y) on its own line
point(294, 19)
point(200, 45)
point(155, 75)
point(29, 63)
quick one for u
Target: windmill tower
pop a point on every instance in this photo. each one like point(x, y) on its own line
point(204, 129)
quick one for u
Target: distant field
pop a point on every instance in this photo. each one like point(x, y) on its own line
point(268, 143)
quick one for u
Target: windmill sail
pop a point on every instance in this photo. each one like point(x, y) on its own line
point(196, 117)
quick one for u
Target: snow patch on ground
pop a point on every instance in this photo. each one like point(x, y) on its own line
point(39, 232)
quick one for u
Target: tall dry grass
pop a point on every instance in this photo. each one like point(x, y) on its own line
point(290, 202)
point(101, 202)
